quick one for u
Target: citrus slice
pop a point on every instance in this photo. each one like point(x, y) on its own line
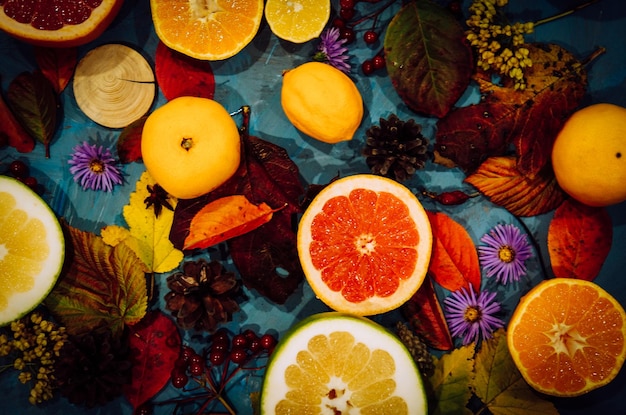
point(334, 363)
point(59, 23)
point(364, 244)
point(567, 337)
point(32, 249)
point(209, 30)
point(297, 20)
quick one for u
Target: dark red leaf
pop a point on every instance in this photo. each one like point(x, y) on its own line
point(179, 75)
point(12, 132)
point(155, 343)
point(579, 240)
point(425, 316)
point(57, 64)
point(129, 141)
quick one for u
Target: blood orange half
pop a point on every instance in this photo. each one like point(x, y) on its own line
point(364, 244)
point(59, 23)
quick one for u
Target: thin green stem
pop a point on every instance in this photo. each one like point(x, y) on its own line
point(566, 13)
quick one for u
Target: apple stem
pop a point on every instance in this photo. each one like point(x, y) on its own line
point(187, 143)
point(245, 123)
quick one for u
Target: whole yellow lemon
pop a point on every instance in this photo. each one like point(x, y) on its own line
point(589, 155)
point(322, 102)
point(190, 146)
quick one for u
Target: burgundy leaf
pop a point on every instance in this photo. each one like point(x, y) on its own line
point(179, 75)
point(57, 64)
point(129, 141)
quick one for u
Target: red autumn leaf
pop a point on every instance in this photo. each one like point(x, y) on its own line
point(499, 179)
point(579, 240)
point(225, 218)
point(57, 64)
point(12, 132)
point(425, 316)
point(155, 343)
point(454, 261)
point(129, 141)
point(179, 75)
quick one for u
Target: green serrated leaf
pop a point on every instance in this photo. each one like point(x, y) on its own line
point(34, 102)
point(500, 386)
point(428, 61)
point(450, 382)
point(103, 284)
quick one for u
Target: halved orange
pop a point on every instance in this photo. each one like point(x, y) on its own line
point(208, 30)
point(297, 21)
point(59, 23)
point(364, 244)
point(567, 337)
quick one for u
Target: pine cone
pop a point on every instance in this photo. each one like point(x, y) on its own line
point(396, 149)
point(93, 368)
point(417, 348)
point(201, 296)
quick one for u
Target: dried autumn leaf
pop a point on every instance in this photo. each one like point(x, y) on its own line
point(528, 120)
point(500, 386)
point(425, 316)
point(449, 383)
point(179, 75)
point(12, 132)
point(155, 346)
point(57, 64)
point(129, 141)
point(103, 284)
point(34, 103)
point(428, 61)
point(454, 260)
point(225, 218)
point(147, 235)
point(579, 240)
point(499, 179)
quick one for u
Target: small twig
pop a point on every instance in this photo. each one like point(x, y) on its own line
point(566, 13)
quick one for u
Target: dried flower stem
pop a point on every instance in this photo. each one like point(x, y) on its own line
point(565, 13)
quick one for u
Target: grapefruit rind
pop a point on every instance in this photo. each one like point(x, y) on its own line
point(518, 315)
point(409, 382)
point(408, 287)
point(69, 35)
point(22, 303)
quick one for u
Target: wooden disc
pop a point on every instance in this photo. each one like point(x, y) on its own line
point(114, 85)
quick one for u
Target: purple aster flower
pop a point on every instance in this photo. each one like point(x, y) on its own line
point(470, 317)
point(94, 167)
point(505, 254)
point(332, 51)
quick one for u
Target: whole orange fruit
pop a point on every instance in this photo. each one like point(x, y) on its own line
point(190, 146)
point(589, 155)
point(61, 23)
point(364, 243)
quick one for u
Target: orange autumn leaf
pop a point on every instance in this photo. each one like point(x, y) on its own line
point(579, 240)
point(225, 218)
point(499, 179)
point(454, 260)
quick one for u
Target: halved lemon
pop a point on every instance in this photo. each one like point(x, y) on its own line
point(32, 249)
point(335, 363)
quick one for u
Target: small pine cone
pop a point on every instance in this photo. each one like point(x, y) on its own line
point(417, 348)
point(202, 295)
point(396, 149)
point(94, 367)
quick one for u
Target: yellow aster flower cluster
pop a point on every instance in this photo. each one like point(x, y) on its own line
point(499, 45)
point(36, 343)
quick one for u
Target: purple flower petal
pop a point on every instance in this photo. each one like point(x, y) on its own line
point(505, 253)
point(93, 167)
point(483, 309)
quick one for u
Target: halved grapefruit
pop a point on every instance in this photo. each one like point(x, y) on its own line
point(58, 23)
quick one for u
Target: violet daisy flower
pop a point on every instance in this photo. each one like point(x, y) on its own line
point(505, 254)
point(470, 317)
point(332, 51)
point(94, 167)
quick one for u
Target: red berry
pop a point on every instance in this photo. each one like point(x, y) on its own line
point(255, 345)
point(145, 408)
point(18, 169)
point(196, 358)
point(186, 353)
point(367, 67)
point(179, 378)
point(30, 182)
point(238, 355)
point(339, 23)
point(196, 368)
point(240, 340)
point(217, 357)
point(268, 341)
point(370, 37)
point(347, 34)
point(378, 61)
point(347, 4)
point(347, 14)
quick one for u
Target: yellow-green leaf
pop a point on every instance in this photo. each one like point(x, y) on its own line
point(450, 382)
point(103, 284)
point(499, 384)
point(148, 234)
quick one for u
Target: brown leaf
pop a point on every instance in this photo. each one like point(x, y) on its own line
point(225, 218)
point(499, 180)
point(57, 64)
point(579, 240)
point(454, 260)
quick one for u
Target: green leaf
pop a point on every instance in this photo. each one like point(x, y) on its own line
point(499, 384)
point(450, 382)
point(34, 101)
point(428, 61)
point(102, 284)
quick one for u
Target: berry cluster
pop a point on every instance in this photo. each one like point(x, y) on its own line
point(19, 170)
